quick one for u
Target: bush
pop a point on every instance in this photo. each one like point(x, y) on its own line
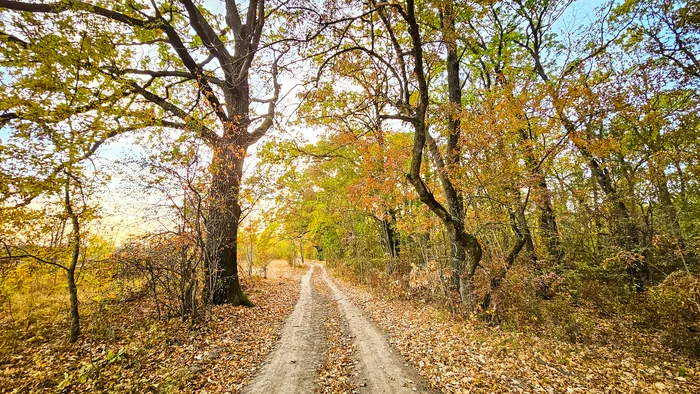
point(516, 303)
point(674, 307)
point(522, 303)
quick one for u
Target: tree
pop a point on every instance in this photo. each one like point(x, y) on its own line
point(41, 244)
point(395, 55)
point(172, 256)
point(46, 156)
point(664, 28)
point(199, 81)
point(537, 20)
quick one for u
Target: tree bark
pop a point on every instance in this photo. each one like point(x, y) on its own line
point(301, 249)
point(70, 270)
point(465, 251)
point(222, 226)
point(74, 312)
point(391, 235)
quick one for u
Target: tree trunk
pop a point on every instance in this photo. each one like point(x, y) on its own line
point(521, 227)
point(548, 223)
point(465, 251)
point(301, 249)
point(472, 253)
point(458, 258)
point(70, 270)
point(222, 226)
point(669, 211)
point(630, 237)
point(541, 194)
point(465, 254)
point(543, 202)
point(74, 313)
point(187, 287)
point(390, 235)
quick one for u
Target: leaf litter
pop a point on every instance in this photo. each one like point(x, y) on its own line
point(124, 349)
point(464, 356)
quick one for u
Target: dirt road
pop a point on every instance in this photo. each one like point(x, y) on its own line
point(293, 366)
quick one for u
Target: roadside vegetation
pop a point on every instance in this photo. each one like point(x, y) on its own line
point(509, 188)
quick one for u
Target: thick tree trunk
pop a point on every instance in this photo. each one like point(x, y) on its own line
point(472, 251)
point(465, 251)
point(222, 226)
point(465, 254)
point(458, 259)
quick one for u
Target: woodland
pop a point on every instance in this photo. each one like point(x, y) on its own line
point(509, 190)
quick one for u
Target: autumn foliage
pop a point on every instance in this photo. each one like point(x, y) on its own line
point(510, 189)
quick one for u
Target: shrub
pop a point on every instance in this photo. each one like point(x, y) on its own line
point(674, 307)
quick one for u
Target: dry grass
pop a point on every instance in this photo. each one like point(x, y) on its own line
point(124, 348)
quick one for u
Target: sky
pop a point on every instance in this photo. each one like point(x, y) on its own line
point(127, 212)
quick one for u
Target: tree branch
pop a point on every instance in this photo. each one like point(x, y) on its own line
point(13, 39)
point(170, 73)
point(26, 255)
point(62, 6)
point(209, 37)
point(233, 19)
point(268, 118)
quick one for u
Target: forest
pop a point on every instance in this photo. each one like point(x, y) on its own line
point(306, 196)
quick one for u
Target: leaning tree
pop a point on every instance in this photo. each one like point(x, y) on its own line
point(166, 65)
point(395, 43)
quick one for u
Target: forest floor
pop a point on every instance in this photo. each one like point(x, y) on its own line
point(123, 349)
point(462, 356)
point(311, 334)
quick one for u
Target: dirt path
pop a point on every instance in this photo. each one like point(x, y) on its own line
point(293, 366)
point(381, 369)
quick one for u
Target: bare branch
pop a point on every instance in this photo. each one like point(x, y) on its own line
point(233, 19)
